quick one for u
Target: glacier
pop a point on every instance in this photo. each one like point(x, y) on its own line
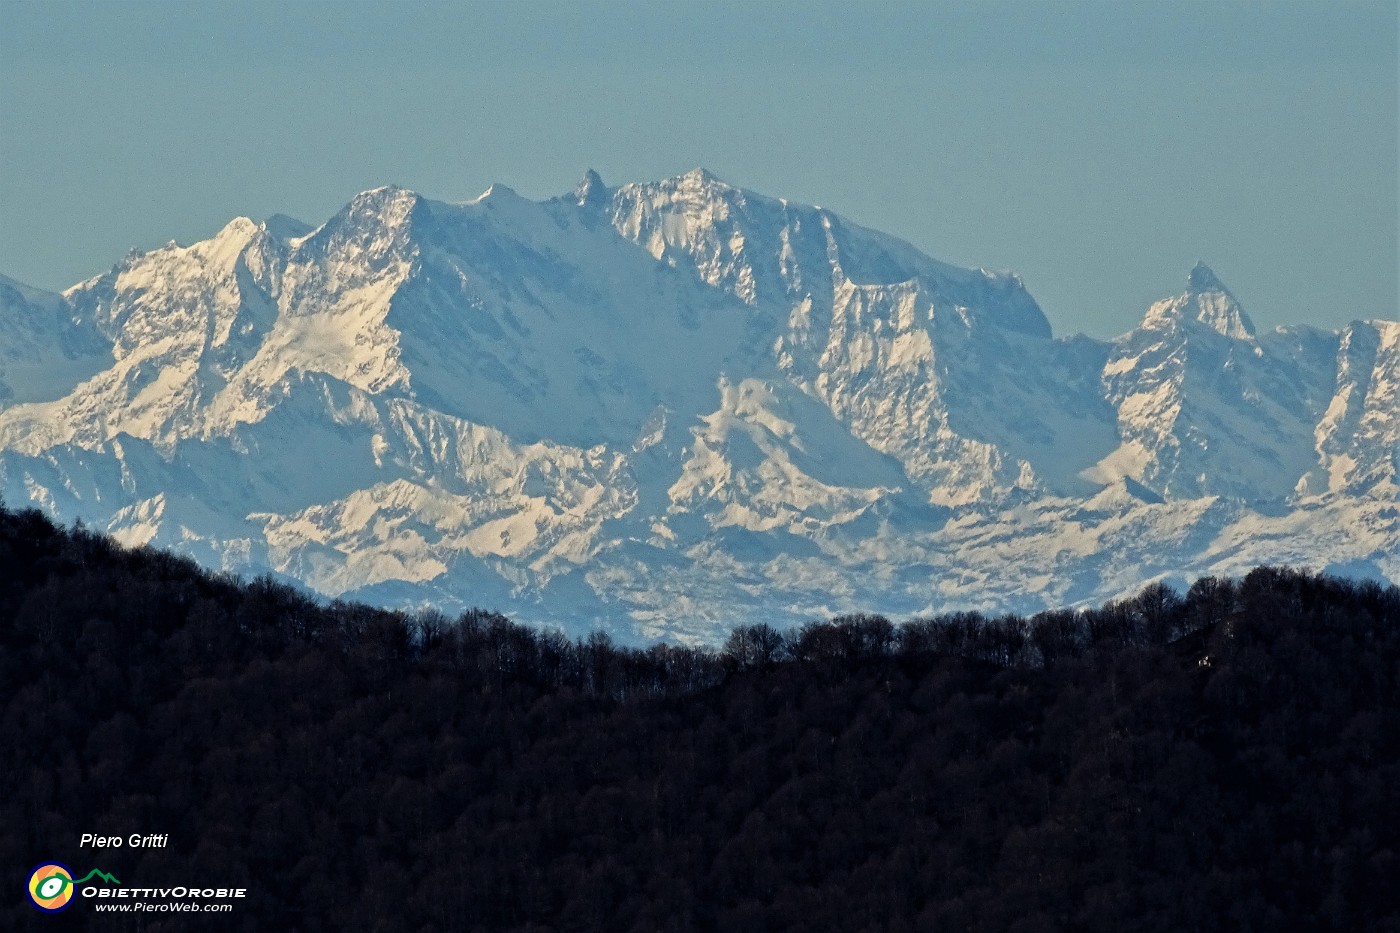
point(662, 409)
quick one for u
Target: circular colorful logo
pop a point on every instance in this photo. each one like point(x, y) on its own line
point(51, 887)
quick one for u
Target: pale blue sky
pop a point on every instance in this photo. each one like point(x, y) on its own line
point(1098, 149)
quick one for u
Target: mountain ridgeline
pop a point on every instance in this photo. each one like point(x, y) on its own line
point(1224, 760)
point(662, 407)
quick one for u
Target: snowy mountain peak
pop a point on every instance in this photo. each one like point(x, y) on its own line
point(1206, 301)
point(703, 176)
point(671, 405)
point(239, 228)
point(1203, 278)
point(497, 192)
point(1215, 306)
point(388, 207)
point(286, 228)
point(383, 196)
point(591, 192)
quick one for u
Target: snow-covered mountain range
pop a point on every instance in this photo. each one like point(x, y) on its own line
point(670, 407)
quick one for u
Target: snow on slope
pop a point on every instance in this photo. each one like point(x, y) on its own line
point(667, 407)
point(899, 346)
point(1205, 406)
point(44, 350)
point(1358, 437)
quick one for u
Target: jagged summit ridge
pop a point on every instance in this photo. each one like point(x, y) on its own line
point(1206, 405)
point(1215, 306)
point(1203, 278)
point(1207, 302)
point(665, 406)
point(591, 191)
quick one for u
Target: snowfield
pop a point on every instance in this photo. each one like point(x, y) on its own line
point(667, 408)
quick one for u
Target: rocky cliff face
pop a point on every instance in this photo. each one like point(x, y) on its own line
point(668, 407)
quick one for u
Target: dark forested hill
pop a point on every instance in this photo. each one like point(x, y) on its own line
point(1227, 760)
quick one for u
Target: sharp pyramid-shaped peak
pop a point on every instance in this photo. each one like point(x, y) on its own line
point(1203, 278)
point(1214, 305)
point(703, 175)
point(591, 191)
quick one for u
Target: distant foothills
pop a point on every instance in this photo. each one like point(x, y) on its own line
point(1226, 759)
point(665, 407)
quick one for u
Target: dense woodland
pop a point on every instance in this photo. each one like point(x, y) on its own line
point(1226, 760)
